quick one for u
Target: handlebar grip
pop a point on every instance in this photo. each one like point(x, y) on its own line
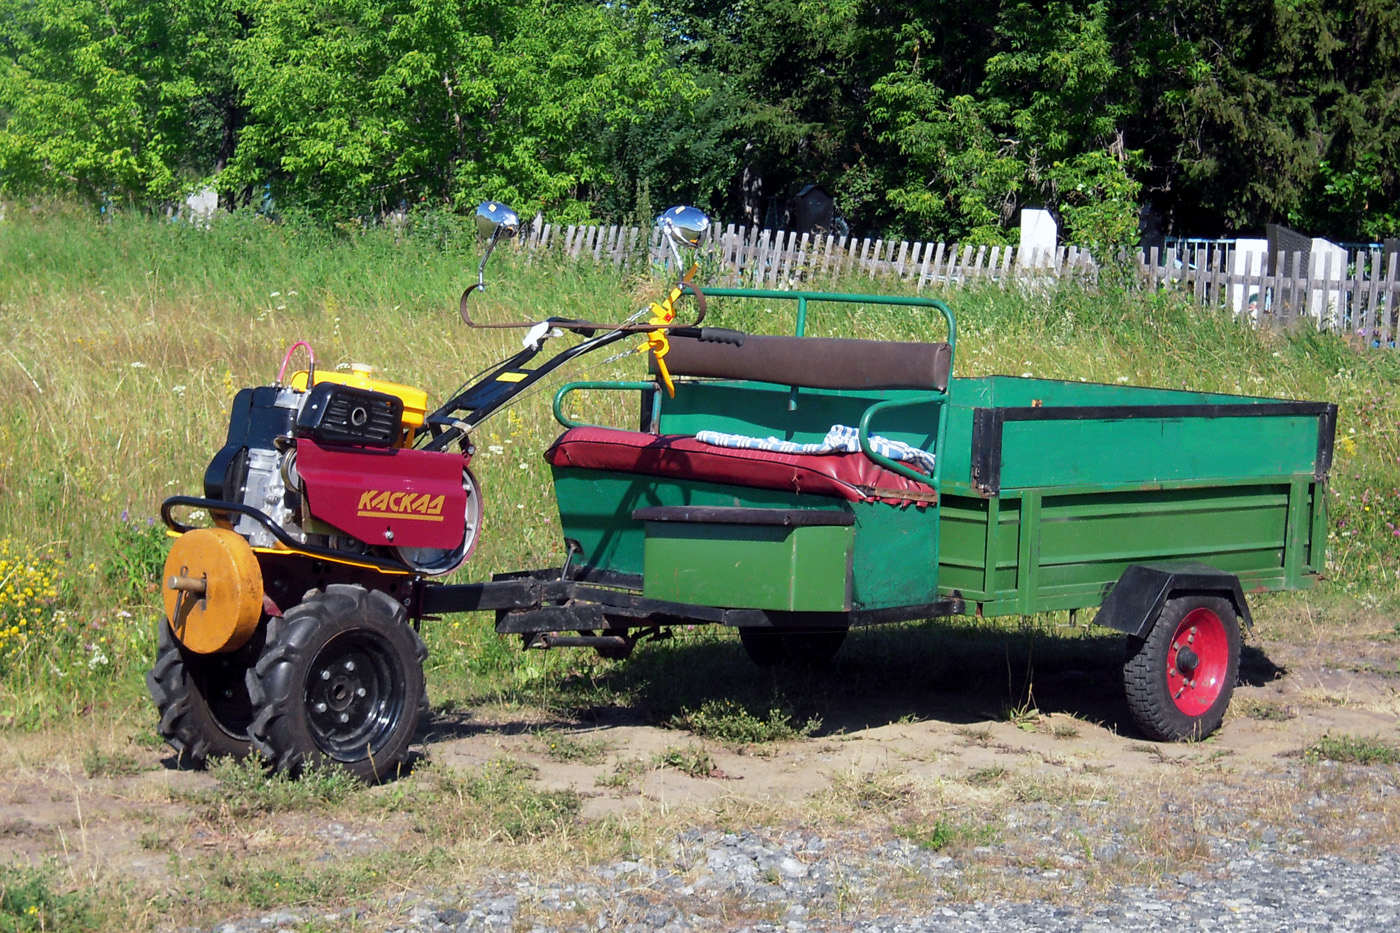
point(712, 334)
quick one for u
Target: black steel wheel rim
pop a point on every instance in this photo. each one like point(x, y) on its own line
point(354, 696)
point(220, 681)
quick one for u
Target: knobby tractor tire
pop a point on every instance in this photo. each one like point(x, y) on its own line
point(769, 647)
point(1179, 679)
point(340, 682)
point(202, 699)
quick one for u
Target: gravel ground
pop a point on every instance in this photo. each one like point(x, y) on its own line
point(801, 883)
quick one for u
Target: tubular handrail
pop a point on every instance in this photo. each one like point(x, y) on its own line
point(801, 297)
point(935, 398)
point(569, 387)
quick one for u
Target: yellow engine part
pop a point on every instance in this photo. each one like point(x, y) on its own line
point(213, 590)
point(415, 401)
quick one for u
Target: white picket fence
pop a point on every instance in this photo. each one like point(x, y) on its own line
point(1359, 297)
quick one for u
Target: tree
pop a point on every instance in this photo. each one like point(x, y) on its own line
point(113, 100)
point(362, 105)
point(1044, 127)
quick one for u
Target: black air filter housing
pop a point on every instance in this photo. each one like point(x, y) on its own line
point(341, 414)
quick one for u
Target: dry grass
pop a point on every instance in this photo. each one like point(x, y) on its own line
point(124, 346)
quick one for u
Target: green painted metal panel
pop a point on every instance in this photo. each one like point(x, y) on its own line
point(595, 509)
point(894, 561)
point(1110, 452)
point(896, 555)
point(750, 566)
point(1040, 454)
point(967, 539)
point(1076, 534)
point(1065, 551)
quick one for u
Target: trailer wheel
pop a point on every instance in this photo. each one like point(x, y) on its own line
point(1179, 679)
point(201, 698)
point(341, 683)
point(813, 648)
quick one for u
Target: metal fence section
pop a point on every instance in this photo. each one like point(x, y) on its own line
point(1359, 296)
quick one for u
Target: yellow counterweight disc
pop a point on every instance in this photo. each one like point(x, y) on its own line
point(213, 590)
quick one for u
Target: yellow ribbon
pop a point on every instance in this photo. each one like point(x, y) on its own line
point(656, 342)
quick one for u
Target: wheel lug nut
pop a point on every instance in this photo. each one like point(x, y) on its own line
point(349, 665)
point(320, 707)
point(344, 717)
point(326, 674)
point(359, 691)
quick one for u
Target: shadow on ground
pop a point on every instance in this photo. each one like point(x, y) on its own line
point(956, 672)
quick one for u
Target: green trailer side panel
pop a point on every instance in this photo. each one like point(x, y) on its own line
point(595, 509)
point(1113, 452)
point(750, 566)
point(1065, 551)
point(894, 557)
point(1120, 452)
point(965, 545)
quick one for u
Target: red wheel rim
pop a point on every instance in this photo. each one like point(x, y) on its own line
point(1197, 660)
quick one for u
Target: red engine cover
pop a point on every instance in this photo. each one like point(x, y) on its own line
point(399, 497)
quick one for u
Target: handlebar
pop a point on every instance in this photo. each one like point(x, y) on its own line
point(583, 328)
point(711, 334)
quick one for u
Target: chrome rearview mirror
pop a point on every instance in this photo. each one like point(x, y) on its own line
point(684, 227)
point(494, 220)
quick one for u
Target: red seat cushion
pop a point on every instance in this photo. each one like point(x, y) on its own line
point(853, 477)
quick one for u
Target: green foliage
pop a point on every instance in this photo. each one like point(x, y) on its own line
point(29, 904)
point(1353, 749)
point(135, 558)
point(508, 805)
point(30, 596)
point(99, 763)
point(693, 761)
point(937, 835)
point(247, 787)
point(114, 100)
point(1044, 127)
point(925, 120)
point(729, 721)
point(561, 746)
point(368, 105)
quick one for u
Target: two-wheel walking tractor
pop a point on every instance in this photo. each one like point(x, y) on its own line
point(790, 487)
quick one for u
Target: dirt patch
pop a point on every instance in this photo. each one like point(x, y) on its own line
point(950, 760)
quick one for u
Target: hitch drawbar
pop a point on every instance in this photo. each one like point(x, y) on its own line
point(608, 611)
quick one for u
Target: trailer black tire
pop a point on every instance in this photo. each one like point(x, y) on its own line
point(768, 647)
point(202, 700)
point(339, 683)
point(1180, 677)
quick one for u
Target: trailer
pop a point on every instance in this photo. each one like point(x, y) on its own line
point(1160, 507)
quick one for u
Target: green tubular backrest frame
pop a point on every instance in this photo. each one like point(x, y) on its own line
point(939, 398)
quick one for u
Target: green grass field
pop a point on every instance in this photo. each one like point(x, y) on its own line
point(126, 340)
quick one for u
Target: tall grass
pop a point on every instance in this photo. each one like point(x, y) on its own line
point(125, 342)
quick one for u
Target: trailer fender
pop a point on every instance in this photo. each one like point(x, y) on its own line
point(1140, 593)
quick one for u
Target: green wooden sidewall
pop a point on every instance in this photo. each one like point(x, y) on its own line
point(1038, 551)
point(1080, 498)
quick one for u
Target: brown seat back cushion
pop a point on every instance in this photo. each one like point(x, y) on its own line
point(816, 362)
